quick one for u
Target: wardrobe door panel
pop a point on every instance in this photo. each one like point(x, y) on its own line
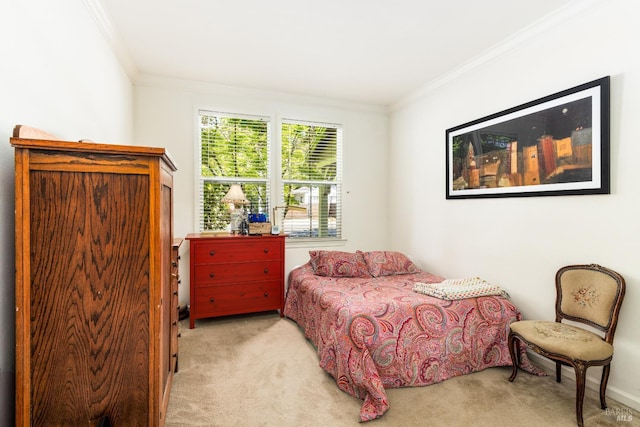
point(89, 297)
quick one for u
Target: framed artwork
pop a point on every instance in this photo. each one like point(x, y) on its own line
point(556, 145)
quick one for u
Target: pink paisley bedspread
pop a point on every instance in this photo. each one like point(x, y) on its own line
point(376, 333)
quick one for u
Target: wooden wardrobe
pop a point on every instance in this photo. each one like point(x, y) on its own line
point(96, 308)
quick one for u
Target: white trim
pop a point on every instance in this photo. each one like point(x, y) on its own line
point(111, 35)
point(315, 243)
point(304, 122)
point(246, 116)
point(273, 97)
point(556, 18)
point(277, 195)
point(196, 167)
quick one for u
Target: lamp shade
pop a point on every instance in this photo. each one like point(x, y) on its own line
point(235, 195)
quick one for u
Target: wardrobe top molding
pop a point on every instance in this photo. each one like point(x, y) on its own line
point(54, 144)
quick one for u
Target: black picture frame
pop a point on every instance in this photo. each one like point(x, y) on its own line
point(555, 145)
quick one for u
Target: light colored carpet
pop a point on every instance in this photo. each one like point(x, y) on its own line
point(259, 370)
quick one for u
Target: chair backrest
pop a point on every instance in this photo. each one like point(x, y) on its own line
point(590, 294)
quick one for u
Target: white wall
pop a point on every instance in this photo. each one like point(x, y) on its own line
point(165, 116)
point(520, 243)
point(57, 74)
point(60, 75)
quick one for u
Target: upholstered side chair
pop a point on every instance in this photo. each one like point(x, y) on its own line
point(588, 295)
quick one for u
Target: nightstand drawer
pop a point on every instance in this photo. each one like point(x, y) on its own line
point(247, 250)
point(220, 274)
point(232, 299)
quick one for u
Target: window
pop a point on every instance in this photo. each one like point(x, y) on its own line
point(303, 187)
point(233, 149)
point(311, 179)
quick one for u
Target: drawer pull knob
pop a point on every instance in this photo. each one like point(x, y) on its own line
point(266, 250)
point(266, 294)
point(266, 271)
point(212, 299)
point(212, 275)
point(212, 253)
point(174, 264)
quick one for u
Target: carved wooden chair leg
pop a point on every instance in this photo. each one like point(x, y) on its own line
point(512, 344)
point(603, 385)
point(581, 373)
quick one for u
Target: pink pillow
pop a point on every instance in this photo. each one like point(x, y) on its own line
point(338, 264)
point(388, 263)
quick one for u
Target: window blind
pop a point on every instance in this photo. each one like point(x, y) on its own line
point(311, 179)
point(232, 149)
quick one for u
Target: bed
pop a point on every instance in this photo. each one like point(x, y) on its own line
point(372, 331)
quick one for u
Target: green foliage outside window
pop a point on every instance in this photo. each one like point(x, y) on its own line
point(236, 150)
point(309, 161)
point(232, 150)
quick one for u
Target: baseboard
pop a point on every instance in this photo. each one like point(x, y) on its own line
point(592, 383)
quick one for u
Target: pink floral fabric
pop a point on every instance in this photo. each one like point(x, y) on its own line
point(338, 264)
point(388, 263)
point(376, 333)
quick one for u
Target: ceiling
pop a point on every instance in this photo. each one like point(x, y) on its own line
point(366, 51)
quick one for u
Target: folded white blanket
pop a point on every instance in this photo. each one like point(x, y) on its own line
point(454, 289)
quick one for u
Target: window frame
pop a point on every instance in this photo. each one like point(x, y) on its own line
point(201, 180)
point(274, 181)
point(338, 181)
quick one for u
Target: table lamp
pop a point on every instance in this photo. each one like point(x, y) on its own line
point(236, 196)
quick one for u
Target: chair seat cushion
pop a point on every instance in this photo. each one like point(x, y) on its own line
point(561, 338)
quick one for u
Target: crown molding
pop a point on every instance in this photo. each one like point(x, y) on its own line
point(111, 35)
point(210, 88)
point(551, 20)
